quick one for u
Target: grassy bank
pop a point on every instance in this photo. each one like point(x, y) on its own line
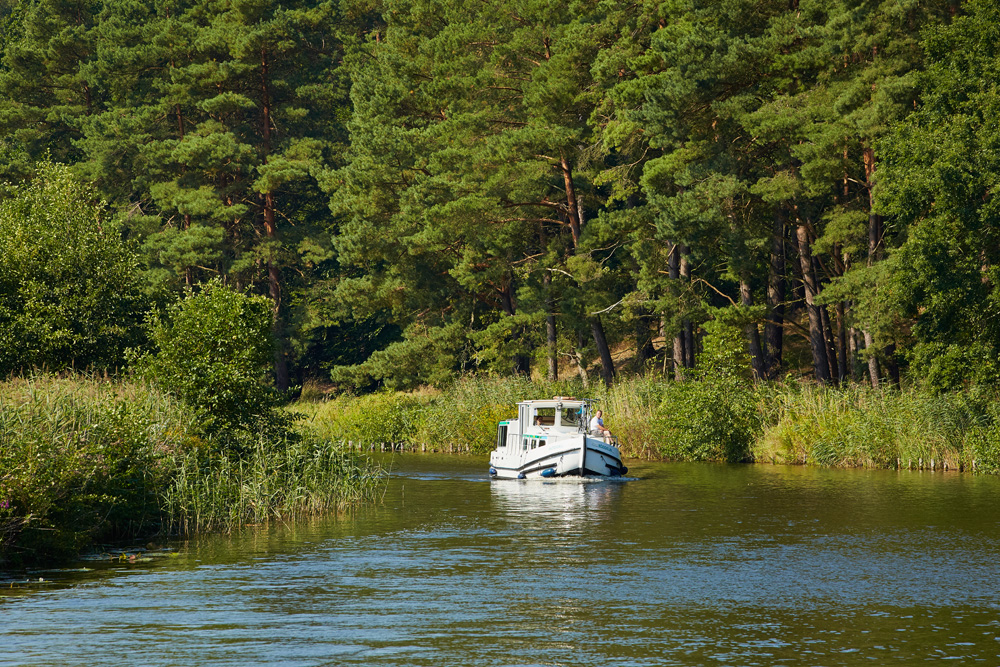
point(713, 419)
point(85, 461)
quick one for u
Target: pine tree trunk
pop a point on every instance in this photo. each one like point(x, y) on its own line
point(644, 350)
point(667, 357)
point(831, 342)
point(817, 341)
point(550, 329)
point(752, 334)
point(521, 363)
point(581, 367)
point(842, 358)
point(575, 216)
point(674, 273)
point(572, 203)
point(873, 369)
point(607, 364)
point(271, 232)
point(874, 255)
point(854, 354)
point(274, 291)
point(688, 329)
point(774, 329)
point(890, 363)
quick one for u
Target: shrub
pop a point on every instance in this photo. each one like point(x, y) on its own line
point(70, 286)
point(213, 352)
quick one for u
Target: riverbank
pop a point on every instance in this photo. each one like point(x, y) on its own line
point(88, 461)
point(713, 419)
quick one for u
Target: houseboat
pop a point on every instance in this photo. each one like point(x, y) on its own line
point(551, 438)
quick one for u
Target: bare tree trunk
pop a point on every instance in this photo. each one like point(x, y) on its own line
point(874, 254)
point(644, 350)
point(575, 216)
point(550, 328)
point(679, 354)
point(667, 357)
point(572, 203)
point(854, 352)
point(774, 328)
point(873, 369)
point(521, 363)
point(831, 343)
point(271, 231)
point(607, 364)
point(578, 358)
point(890, 363)
point(817, 341)
point(842, 359)
point(752, 333)
point(689, 347)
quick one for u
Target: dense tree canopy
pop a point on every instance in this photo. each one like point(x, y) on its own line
point(423, 188)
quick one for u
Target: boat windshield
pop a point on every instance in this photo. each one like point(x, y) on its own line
point(571, 416)
point(545, 417)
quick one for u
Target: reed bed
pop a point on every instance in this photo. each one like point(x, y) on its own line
point(652, 417)
point(714, 418)
point(862, 427)
point(85, 460)
point(269, 480)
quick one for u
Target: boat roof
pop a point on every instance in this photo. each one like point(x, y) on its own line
point(555, 401)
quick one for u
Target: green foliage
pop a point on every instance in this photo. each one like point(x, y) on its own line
point(373, 419)
point(82, 461)
point(424, 356)
point(879, 428)
point(937, 179)
point(70, 286)
point(616, 171)
point(273, 478)
point(213, 353)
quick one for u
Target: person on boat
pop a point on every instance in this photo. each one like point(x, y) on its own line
point(597, 426)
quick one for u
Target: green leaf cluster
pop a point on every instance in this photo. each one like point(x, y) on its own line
point(71, 287)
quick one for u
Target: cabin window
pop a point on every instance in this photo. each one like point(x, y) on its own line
point(502, 435)
point(525, 444)
point(541, 443)
point(570, 416)
point(544, 417)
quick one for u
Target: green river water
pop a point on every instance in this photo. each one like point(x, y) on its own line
point(684, 564)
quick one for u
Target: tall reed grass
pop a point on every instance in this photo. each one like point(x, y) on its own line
point(710, 420)
point(862, 427)
point(714, 418)
point(84, 460)
point(282, 480)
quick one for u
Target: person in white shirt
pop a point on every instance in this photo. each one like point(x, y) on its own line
point(597, 426)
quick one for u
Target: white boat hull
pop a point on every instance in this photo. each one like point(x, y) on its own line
point(574, 456)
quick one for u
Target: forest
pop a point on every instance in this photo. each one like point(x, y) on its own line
point(537, 188)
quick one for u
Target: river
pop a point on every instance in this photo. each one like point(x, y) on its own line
point(686, 564)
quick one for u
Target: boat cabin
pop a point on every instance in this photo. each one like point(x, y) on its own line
point(540, 421)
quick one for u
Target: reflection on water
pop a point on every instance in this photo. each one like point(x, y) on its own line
point(688, 565)
point(556, 502)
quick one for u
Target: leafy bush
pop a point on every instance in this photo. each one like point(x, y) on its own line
point(70, 286)
point(213, 352)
